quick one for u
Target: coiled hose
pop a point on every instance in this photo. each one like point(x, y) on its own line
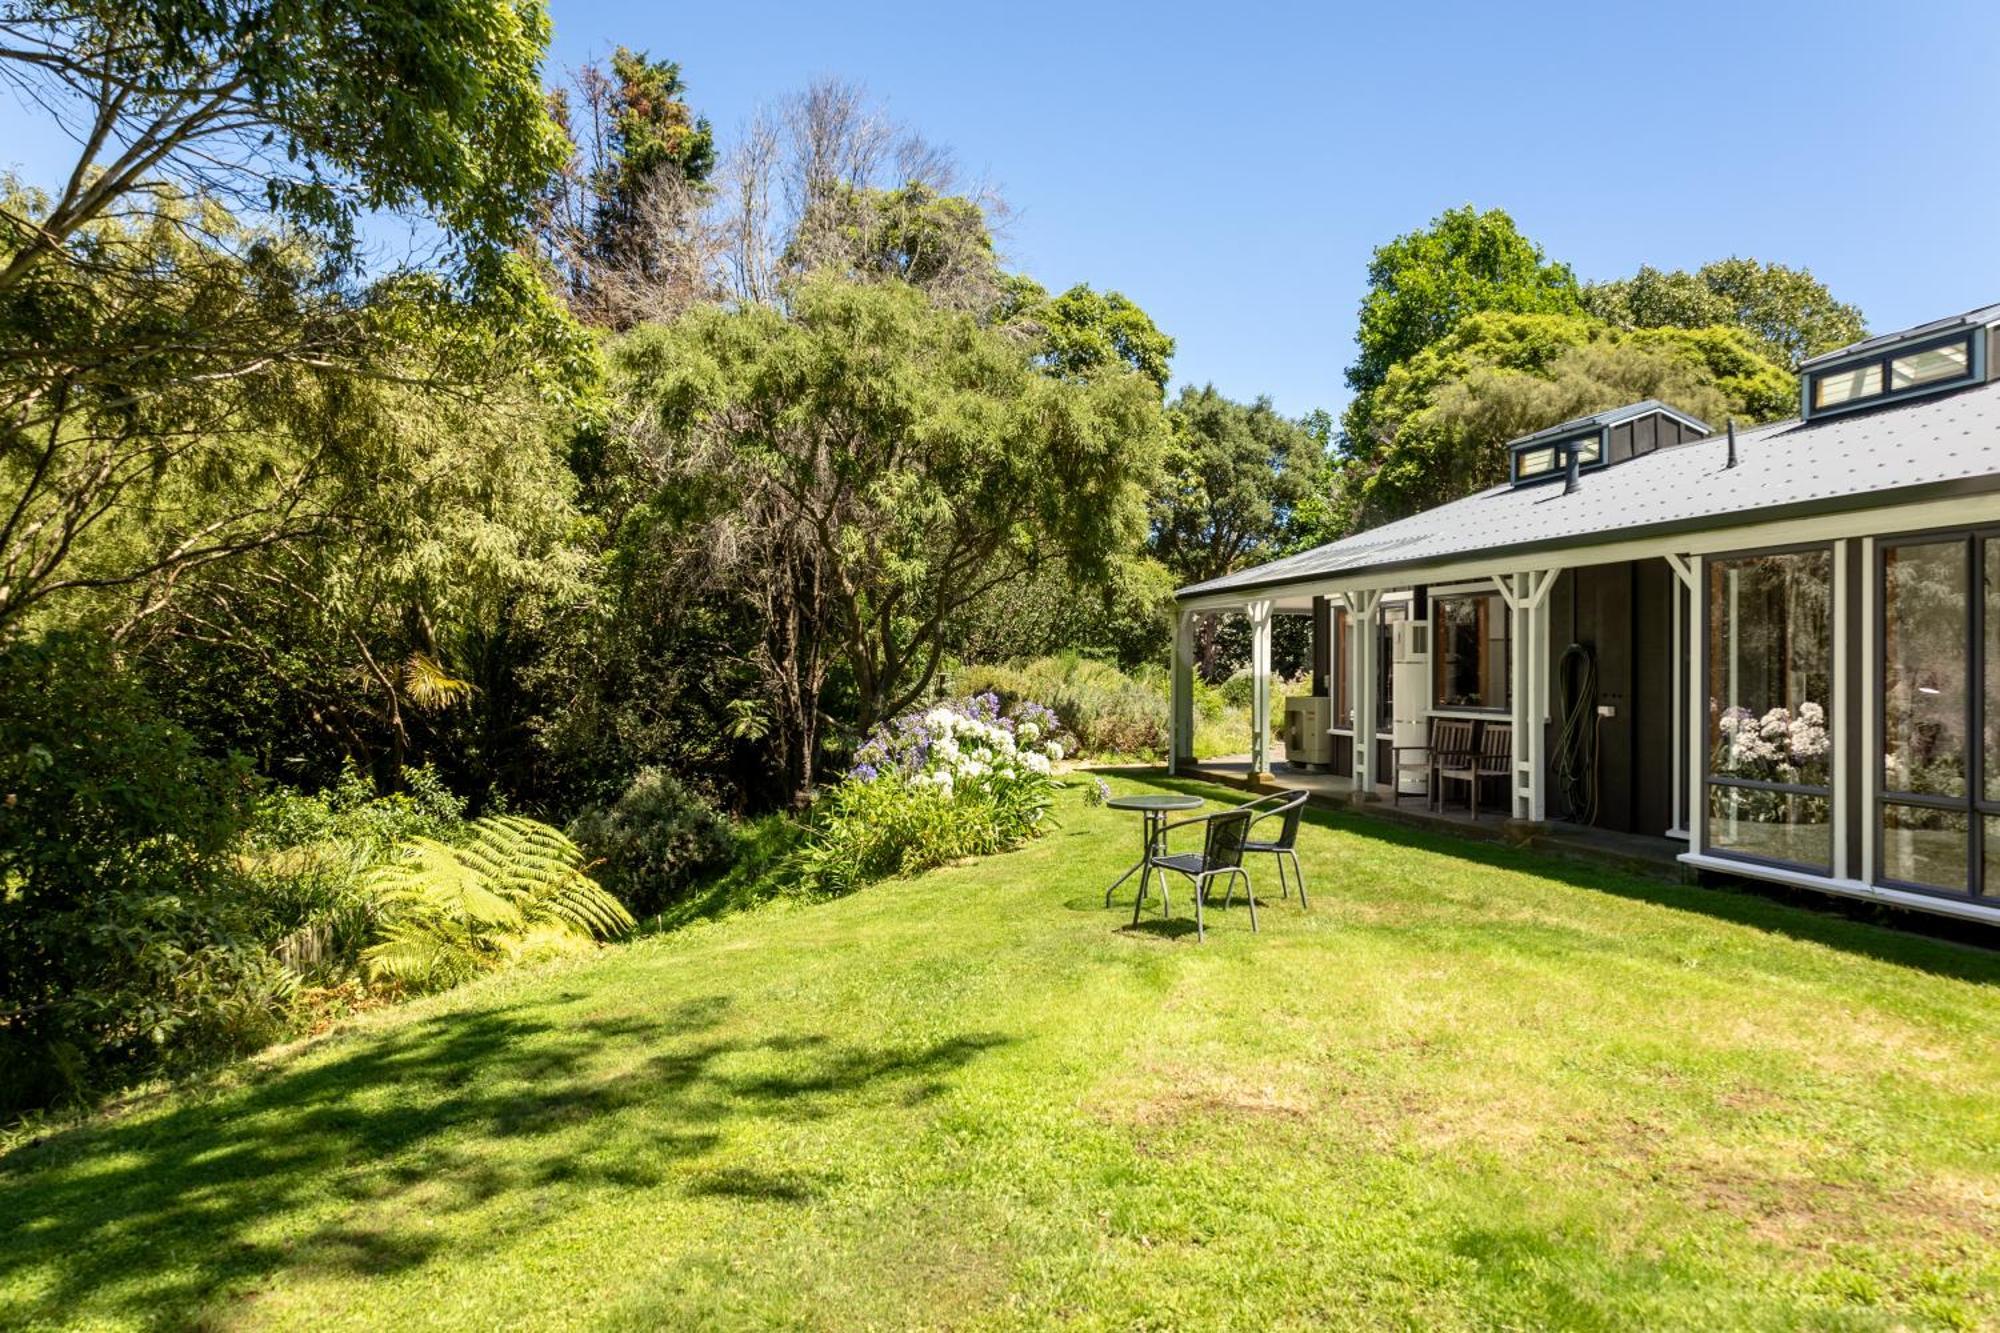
point(1575, 767)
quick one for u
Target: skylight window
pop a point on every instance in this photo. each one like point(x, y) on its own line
point(1894, 373)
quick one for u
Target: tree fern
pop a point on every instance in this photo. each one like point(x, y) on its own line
point(509, 889)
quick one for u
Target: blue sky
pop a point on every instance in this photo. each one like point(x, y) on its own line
point(1231, 166)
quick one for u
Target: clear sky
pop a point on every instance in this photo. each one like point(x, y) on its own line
point(1230, 166)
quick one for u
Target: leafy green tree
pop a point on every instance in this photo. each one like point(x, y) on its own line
point(1083, 331)
point(319, 112)
point(1445, 416)
point(1422, 285)
point(861, 470)
point(1237, 476)
point(1788, 311)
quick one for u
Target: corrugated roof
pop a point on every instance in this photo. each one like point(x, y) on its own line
point(1609, 417)
point(1939, 444)
point(1970, 319)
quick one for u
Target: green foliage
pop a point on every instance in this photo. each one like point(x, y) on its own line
point(1237, 478)
point(1107, 711)
point(307, 856)
point(1084, 332)
point(658, 838)
point(1443, 418)
point(1789, 312)
point(508, 890)
point(327, 112)
point(652, 129)
point(1423, 284)
point(861, 832)
point(1124, 614)
point(126, 944)
point(862, 470)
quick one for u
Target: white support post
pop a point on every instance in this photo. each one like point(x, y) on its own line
point(1521, 786)
point(1697, 710)
point(1260, 687)
point(1682, 710)
point(1871, 744)
point(1363, 615)
point(1843, 629)
point(1180, 738)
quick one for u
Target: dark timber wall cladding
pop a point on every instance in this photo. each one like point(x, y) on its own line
point(1623, 615)
point(1643, 435)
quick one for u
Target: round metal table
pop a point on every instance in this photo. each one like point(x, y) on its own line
point(1155, 810)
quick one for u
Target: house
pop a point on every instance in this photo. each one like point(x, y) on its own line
point(1778, 646)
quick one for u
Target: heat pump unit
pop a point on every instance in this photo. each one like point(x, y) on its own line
point(1306, 739)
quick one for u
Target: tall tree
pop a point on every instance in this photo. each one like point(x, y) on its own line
point(861, 471)
point(318, 113)
point(623, 222)
point(1237, 474)
point(1421, 285)
point(1445, 415)
point(1789, 311)
point(1084, 332)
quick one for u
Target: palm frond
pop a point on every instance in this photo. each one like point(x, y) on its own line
point(429, 685)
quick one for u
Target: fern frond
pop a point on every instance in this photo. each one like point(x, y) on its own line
point(429, 685)
point(450, 910)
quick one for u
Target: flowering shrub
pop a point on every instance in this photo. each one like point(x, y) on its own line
point(1778, 747)
point(960, 779)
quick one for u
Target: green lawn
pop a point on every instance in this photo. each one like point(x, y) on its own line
point(1469, 1088)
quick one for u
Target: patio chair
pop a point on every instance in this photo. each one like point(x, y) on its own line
point(1494, 758)
point(1289, 807)
point(1220, 857)
point(1450, 742)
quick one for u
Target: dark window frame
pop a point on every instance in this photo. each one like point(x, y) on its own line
point(1506, 706)
point(1881, 360)
point(1702, 624)
point(1561, 446)
point(1975, 805)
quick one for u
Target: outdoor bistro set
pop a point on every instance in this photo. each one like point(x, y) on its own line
point(1225, 843)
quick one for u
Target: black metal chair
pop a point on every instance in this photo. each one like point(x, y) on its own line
point(1290, 807)
point(1221, 857)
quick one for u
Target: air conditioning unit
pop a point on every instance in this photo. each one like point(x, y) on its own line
point(1306, 739)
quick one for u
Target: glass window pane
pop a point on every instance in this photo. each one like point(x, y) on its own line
point(1469, 647)
point(1924, 846)
point(1343, 669)
point(1770, 667)
point(1938, 363)
point(1589, 450)
point(1534, 462)
point(1990, 654)
point(1833, 387)
point(1924, 671)
point(1773, 825)
point(1385, 666)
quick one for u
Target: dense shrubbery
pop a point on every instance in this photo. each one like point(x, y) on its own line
point(1106, 710)
point(654, 841)
point(961, 779)
point(127, 942)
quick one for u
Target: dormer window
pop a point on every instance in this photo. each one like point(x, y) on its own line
point(1547, 459)
point(1604, 439)
point(1892, 372)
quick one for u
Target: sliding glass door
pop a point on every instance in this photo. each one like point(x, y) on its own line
point(1938, 814)
point(1769, 779)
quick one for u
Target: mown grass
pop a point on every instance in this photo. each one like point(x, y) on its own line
point(1469, 1088)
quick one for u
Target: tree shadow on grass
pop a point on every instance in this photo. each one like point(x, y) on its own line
point(152, 1216)
point(1964, 954)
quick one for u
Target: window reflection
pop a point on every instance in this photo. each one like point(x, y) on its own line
point(1470, 640)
